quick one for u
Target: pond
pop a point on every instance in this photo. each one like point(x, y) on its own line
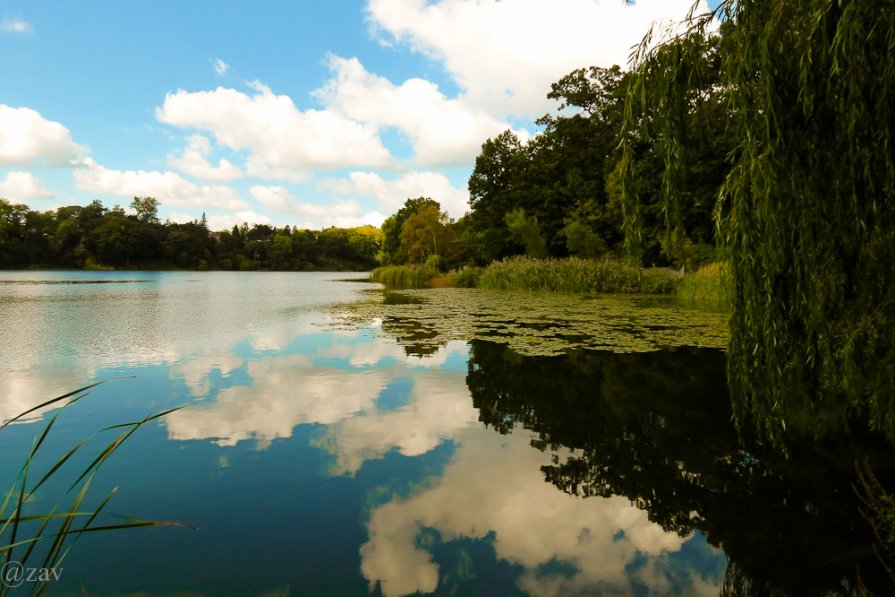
point(339, 440)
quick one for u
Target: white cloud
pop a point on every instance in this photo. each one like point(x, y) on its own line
point(221, 67)
point(280, 200)
point(504, 54)
point(194, 161)
point(343, 214)
point(15, 26)
point(168, 187)
point(282, 141)
point(391, 194)
point(22, 186)
point(441, 130)
point(225, 222)
point(26, 138)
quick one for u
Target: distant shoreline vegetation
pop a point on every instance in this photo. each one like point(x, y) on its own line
point(92, 237)
point(706, 288)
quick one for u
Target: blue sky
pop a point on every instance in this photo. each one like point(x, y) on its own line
point(305, 113)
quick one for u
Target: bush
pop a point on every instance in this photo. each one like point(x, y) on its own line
point(573, 275)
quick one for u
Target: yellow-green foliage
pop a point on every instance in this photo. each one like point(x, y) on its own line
point(575, 275)
point(404, 276)
point(708, 287)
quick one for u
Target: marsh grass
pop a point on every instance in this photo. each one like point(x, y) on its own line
point(404, 276)
point(23, 529)
point(709, 287)
point(575, 275)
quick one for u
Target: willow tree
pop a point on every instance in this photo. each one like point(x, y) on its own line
point(807, 210)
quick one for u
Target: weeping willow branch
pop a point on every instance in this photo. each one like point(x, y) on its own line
point(807, 209)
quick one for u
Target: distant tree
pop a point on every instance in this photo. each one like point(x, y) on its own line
point(424, 234)
point(525, 229)
point(146, 208)
point(494, 190)
point(115, 238)
point(391, 229)
point(281, 252)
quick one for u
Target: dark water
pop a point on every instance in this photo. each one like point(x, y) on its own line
point(329, 455)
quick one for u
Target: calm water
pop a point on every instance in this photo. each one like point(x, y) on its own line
point(331, 449)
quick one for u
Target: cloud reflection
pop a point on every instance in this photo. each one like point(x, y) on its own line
point(494, 484)
point(287, 391)
point(439, 407)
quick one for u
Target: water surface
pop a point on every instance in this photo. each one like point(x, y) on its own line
point(455, 442)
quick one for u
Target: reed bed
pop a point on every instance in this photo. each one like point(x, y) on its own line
point(404, 276)
point(575, 275)
point(709, 287)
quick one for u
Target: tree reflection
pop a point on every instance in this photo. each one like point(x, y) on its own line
point(655, 428)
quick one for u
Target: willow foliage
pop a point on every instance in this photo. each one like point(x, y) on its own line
point(807, 209)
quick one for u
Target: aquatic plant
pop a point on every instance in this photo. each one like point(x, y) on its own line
point(424, 320)
point(575, 275)
point(404, 276)
point(22, 529)
point(708, 287)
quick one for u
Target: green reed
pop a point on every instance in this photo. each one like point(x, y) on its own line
point(22, 529)
point(404, 276)
point(575, 275)
point(709, 287)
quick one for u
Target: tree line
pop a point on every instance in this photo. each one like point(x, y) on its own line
point(561, 192)
point(95, 237)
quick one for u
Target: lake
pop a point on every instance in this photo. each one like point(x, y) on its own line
point(339, 440)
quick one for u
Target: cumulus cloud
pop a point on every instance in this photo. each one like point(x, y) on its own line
point(504, 54)
point(220, 67)
point(22, 186)
point(344, 214)
point(194, 161)
point(282, 141)
point(27, 138)
point(168, 187)
point(441, 130)
point(392, 193)
point(280, 200)
point(227, 221)
point(15, 26)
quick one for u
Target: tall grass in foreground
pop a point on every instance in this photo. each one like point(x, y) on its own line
point(575, 275)
point(404, 276)
point(708, 287)
point(22, 529)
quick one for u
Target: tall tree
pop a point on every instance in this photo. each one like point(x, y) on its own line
point(425, 233)
point(146, 208)
point(391, 229)
point(808, 208)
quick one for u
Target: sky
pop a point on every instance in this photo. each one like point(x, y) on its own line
point(301, 112)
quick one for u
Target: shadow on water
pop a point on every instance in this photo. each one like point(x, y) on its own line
point(656, 428)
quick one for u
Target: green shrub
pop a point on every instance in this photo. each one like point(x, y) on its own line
point(573, 275)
